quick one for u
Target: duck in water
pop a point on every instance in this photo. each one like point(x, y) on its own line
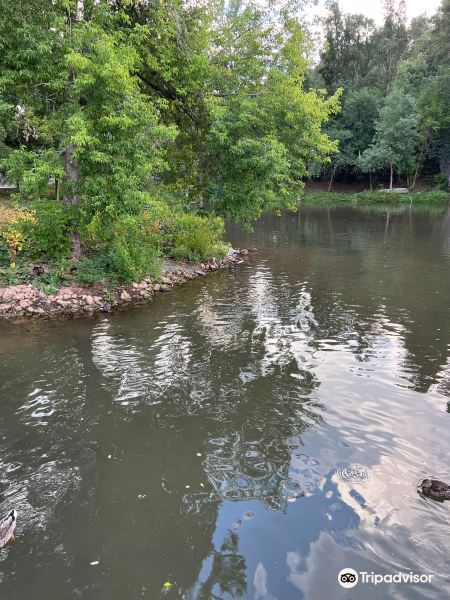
point(433, 488)
point(7, 527)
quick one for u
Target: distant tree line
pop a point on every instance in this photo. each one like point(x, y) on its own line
point(395, 117)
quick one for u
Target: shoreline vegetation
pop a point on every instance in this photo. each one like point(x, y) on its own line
point(44, 290)
point(130, 130)
point(28, 300)
point(435, 197)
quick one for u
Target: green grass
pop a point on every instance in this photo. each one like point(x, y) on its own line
point(430, 197)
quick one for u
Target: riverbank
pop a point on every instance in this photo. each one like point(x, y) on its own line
point(28, 301)
point(377, 197)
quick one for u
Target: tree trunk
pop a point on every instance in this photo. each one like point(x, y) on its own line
point(419, 160)
point(370, 180)
point(71, 198)
point(392, 178)
point(331, 181)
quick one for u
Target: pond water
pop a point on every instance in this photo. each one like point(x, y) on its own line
point(246, 436)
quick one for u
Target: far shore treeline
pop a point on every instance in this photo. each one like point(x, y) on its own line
point(131, 128)
point(395, 117)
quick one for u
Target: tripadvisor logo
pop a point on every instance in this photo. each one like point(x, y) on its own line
point(348, 578)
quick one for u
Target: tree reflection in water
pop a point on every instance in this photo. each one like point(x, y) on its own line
point(227, 572)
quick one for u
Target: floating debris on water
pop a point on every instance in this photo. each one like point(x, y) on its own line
point(168, 585)
point(94, 562)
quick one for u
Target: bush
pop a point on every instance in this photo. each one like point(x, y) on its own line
point(128, 248)
point(120, 248)
point(434, 196)
point(132, 251)
point(36, 232)
point(14, 276)
point(125, 247)
point(196, 238)
point(15, 223)
point(49, 283)
point(441, 183)
point(92, 270)
point(48, 233)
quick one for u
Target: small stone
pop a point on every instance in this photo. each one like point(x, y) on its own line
point(125, 296)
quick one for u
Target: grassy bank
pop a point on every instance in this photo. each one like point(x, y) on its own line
point(364, 198)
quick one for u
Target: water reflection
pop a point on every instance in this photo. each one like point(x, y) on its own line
point(238, 434)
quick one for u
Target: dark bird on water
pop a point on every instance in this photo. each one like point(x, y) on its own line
point(433, 488)
point(7, 527)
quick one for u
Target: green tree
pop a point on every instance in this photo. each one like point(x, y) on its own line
point(354, 129)
point(346, 57)
point(434, 100)
point(390, 43)
point(396, 136)
point(81, 116)
point(200, 106)
point(425, 74)
point(265, 129)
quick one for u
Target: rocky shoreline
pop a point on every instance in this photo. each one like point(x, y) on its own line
point(27, 301)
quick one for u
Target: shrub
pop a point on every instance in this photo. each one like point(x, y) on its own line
point(128, 248)
point(14, 229)
point(48, 232)
point(14, 276)
point(49, 283)
point(441, 183)
point(434, 196)
point(196, 238)
point(376, 197)
point(132, 251)
point(92, 270)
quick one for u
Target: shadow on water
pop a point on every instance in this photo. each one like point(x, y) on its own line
point(246, 436)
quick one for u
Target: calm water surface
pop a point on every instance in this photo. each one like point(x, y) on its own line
point(246, 436)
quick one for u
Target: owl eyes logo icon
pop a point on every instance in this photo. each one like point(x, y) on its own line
point(348, 578)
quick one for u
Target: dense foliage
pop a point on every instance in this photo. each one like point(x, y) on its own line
point(395, 118)
point(130, 126)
